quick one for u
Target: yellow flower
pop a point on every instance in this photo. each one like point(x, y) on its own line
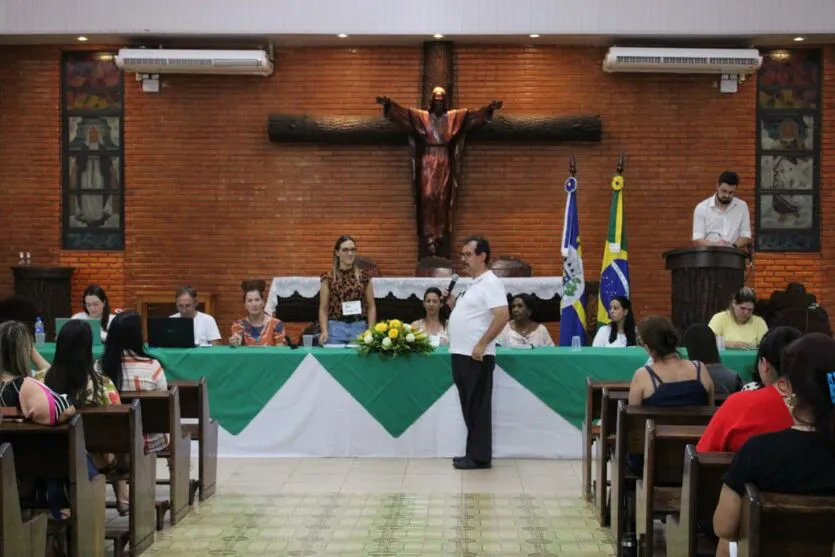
point(381, 327)
point(617, 183)
point(395, 324)
point(393, 333)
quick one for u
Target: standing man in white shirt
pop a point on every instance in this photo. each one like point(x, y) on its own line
point(206, 332)
point(722, 219)
point(478, 316)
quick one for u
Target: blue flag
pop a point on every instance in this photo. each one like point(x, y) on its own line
point(573, 302)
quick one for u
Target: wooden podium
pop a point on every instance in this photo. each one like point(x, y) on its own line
point(704, 281)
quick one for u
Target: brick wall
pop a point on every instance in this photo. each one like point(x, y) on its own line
point(210, 201)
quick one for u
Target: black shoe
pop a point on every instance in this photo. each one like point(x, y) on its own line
point(470, 464)
point(457, 459)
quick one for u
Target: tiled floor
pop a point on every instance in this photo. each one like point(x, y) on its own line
point(389, 507)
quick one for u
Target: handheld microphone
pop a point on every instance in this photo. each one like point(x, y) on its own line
point(450, 287)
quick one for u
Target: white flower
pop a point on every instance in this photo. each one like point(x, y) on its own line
point(407, 328)
point(410, 337)
point(368, 339)
point(386, 342)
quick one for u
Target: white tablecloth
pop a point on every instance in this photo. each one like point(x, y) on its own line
point(544, 288)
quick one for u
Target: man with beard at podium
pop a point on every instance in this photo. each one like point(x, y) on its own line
point(722, 219)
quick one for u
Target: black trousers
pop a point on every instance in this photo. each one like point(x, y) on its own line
point(474, 380)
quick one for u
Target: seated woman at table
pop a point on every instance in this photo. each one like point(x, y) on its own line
point(433, 324)
point(621, 331)
point(126, 364)
point(701, 345)
point(799, 460)
point(670, 380)
point(738, 326)
point(96, 306)
point(758, 411)
point(257, 328)
point(346, 297)
point(522, 331)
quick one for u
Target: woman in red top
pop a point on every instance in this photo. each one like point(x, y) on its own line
point(753, 412)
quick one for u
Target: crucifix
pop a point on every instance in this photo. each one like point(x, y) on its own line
point(436, 137)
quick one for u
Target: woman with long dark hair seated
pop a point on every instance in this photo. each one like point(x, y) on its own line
point(621, 331)
point(700, 342)
point(799, 460)
point(434, 325)
point(96, 306)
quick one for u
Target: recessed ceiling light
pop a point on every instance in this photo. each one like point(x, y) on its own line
point(534, 35)
point(799, 39)
point(82, 38)
point(342, 36)
point(438, 36)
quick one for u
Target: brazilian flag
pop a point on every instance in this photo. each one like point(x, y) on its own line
point(614, 274)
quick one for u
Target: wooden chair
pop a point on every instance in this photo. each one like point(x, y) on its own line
point(591, 431)
point(18, 538)
point(629, 439)
point(700, 490)
point(60, 452)
point(163, 304)
point(775, 524)
point(610, 399)
point(659, 491)
point(117, 429)
point(161, 414)
point(194, 404)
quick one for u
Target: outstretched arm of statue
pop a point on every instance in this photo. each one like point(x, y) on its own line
point(482, 116)
point(399, 115)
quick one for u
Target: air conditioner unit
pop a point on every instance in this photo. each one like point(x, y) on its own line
point(682, 60)
point(233, 62)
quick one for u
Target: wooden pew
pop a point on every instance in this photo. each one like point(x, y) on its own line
point(60, 452)
point(775, 524)
point(659, 491)
point(629, 439)
point(194, 403)
point(18, 538)
point(117, 429)
point(608, 423)
point(161, 414)
point(591, 431)
point(700, 489)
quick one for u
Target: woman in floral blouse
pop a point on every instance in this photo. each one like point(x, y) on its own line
point(257, 328)
point(346, 297)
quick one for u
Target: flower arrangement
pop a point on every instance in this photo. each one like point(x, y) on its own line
point(393, 337)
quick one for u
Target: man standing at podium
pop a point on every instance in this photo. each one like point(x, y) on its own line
point(722, 219)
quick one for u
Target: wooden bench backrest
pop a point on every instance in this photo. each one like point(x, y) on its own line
point(110, 429)
point(632, 422)
point(194, 398)
point(594, 395)
point(664, 447)
point(48, 451)
point(160, 409)
point(11, 524)
point(775, 524)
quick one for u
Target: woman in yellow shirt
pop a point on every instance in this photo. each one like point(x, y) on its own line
point(738, 326)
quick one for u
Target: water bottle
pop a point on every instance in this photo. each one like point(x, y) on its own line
point(40, 333)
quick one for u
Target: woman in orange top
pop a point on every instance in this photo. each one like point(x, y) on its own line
point(257, 328)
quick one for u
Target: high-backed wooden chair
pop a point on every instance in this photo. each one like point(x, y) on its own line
point(162, 304)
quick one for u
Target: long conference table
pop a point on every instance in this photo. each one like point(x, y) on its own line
point(323, 402)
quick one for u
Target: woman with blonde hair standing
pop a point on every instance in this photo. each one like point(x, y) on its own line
point(346, 297)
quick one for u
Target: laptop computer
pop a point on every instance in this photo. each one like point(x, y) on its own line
point(170, 332)
point(95, 325)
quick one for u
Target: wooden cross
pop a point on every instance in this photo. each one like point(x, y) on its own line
point(437, 71)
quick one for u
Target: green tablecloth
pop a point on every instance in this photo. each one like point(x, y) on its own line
point(396, 392)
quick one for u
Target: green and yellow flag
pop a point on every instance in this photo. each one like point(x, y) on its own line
point(614, 274)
